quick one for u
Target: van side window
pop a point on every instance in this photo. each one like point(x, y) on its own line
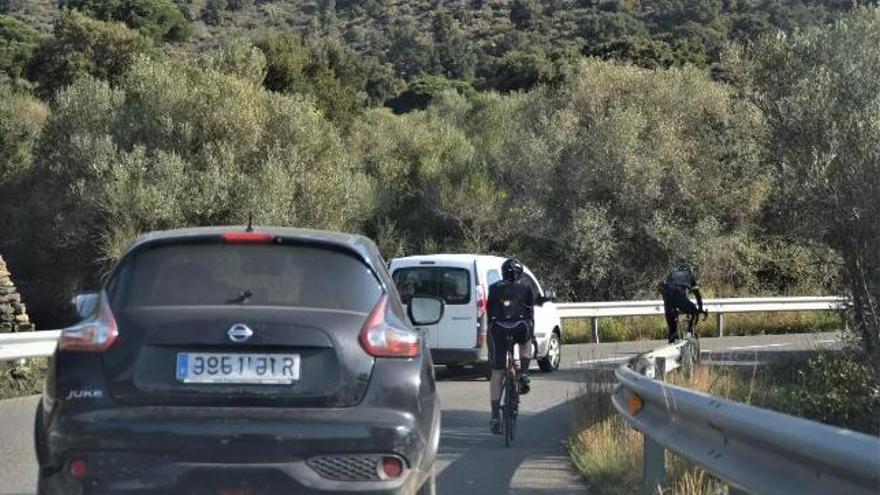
point(493, 276)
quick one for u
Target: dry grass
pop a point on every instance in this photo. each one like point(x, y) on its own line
point(19, 381)
point(608, 452)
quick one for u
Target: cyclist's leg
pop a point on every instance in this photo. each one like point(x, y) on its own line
point(689, 308)
point(524, 348)
point(497, 360)
point(671, 318)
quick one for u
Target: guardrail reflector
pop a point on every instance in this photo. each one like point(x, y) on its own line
point(635, 403)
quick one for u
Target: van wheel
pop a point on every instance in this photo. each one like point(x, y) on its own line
point(550, 362)
point(484, 370)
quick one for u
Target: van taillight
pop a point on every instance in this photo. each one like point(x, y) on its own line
point(482, 306)
point(95, 335)
point(382, 340)
point(482, 301)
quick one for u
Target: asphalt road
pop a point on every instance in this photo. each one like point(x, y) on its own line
point(471, 459)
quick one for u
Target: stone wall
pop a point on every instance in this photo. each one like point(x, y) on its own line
point(13, 314)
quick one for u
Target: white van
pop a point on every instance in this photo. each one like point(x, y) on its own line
point(463, 280)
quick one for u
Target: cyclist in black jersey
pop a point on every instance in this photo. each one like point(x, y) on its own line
point(675, 289)
point(511, 312)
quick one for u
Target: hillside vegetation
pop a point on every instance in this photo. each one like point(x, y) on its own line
point(602, 142)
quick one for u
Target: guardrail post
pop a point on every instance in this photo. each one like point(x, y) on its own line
point(655, 466)
point(660, 368)
point(719, 322)
point(654, 455)
point(595, 324)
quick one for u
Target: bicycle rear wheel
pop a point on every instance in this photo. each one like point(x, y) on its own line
point(509, 410)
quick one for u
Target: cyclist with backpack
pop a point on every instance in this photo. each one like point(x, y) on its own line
point(511, 312)
point(675, 289)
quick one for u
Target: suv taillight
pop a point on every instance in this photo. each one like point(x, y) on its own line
point(382, 340)
point(95, 335)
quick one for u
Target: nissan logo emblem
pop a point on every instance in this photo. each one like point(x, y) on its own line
point(239, 332)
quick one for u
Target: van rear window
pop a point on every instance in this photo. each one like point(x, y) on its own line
point(453, 285)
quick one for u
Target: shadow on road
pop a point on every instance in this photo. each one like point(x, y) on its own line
point(481, 464)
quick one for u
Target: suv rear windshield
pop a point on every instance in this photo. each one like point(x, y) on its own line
point(259, 275)
point(453, 285)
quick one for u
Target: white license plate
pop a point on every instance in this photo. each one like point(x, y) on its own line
point(213, 367)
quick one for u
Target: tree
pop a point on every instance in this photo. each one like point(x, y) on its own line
point(161, 20)
point(451, 55)
point(17, 43)
point(593, 163)
point(820, 93)
point(328, 71)
point(21, 122)
point(85, 46)
point(522, 70)
point(423, 90)
point(524, 14)
point(643, 52)
point(212, 14)
point(173, 145)
point(409, 48)
point(240, 4)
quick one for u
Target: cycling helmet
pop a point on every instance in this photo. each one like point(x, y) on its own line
point(684, 267)
point(512, 270)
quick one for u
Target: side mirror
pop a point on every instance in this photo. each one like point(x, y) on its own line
point(425, 310)
point(85, 304)
point(549, 296)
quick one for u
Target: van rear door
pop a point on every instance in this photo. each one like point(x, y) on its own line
point(452, 281)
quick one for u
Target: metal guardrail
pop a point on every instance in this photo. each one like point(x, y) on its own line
point(26, 345)
point(42, 343)
point(719, 307)
point(753, 449)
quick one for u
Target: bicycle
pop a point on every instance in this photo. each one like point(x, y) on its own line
point(510, 399)
point(690, 352)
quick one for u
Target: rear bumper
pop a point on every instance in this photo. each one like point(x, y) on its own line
point(459, 356)
point(211, 479)
point(186, 450)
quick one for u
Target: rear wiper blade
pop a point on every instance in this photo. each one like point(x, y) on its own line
point(242, 297)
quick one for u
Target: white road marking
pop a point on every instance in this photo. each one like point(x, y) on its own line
point(827, 341)
point(733, 363)
point(763, 346)
point(605, 360)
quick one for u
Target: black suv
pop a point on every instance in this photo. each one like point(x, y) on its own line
point(233, 361)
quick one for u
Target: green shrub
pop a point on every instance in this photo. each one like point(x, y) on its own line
point(838, 390)
point(18, 40)
point(819, 91)
point(176, 145)
point(84, 46)
point(21, 121)
point(327, 71)
point(425, 89)
point(157, 19)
